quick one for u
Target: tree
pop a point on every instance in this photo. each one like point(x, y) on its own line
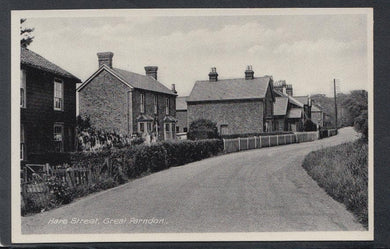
point(25, 34)
point(309, 125)
point(361, 124)
point(202, 129)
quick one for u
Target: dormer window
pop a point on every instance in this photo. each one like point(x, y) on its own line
point(58, 95)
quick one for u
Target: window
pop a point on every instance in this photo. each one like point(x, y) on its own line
point(167, 106)
point(58, 135)
point(169, 131)
point(185, 129)
point(58, 95)
point(155, 104)
point(223, 130)
point(22, 145)
point(142, 105)
point(177, 129)
point(23, 88)
point(144, 127)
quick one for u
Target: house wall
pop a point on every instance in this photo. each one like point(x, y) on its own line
point(269, 110)
point(39, 116)
point(181, 116)
point(317, 118)
point(105, 101)
point(149, 108)
point(240, 116)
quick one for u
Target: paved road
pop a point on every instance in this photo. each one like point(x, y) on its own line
point(261, 190)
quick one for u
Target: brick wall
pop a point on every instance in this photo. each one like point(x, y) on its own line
point(39, 116)
point(105, 101)
point(240, 116)
point(149, 107)
point(181, 116)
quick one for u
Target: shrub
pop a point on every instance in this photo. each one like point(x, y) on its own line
point(309, 125)
point(61, 191)
point(361, 124)
point(202, 129)
point(342, 171)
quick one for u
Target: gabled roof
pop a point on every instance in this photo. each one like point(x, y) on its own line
point(280, 106)
point(295, 113)
point(142, 81)
point(133, 80)
point(303, 99)
point(315, 108)
point(230, 89)
point(32, 59)
point(181, 104)
point(291, 99)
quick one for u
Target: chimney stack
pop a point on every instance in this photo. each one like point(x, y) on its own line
point(151, 71)
point(213, 75)
point(249, 74)
point(105, 58)
point(174, 89)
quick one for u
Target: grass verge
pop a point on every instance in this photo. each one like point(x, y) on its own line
point(342, 171)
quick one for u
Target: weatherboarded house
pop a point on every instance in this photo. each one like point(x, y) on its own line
point(47, 106)
point(124, 102)
point(237, 106)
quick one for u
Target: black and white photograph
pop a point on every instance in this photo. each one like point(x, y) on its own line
point(192, 125)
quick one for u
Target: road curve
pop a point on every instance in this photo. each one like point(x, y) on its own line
point(263, 190)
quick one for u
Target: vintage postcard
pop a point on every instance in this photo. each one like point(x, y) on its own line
point(192, 125)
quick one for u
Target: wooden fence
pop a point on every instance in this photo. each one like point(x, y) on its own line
point(35, 178)
point(249, 143)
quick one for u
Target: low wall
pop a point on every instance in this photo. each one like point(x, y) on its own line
point(249, 143)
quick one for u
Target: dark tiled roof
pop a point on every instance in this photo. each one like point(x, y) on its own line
point(142, 81)
point(280, 106)
point(229, 89)
point(291, 99)
point(181, 103)
point(144, 117)
point(29, 58)
point(295, 113)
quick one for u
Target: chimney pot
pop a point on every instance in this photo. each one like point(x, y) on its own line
point(249, 73)
point(105, 58)
point(151, 71)
point(213, 75)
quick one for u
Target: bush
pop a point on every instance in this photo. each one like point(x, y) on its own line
point(202, 129)
point(361, 124)
point(309, 125)
point(52, 158)
point(342, 171)
point(60, 190)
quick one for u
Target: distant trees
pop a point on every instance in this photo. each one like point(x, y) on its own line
point(202, 129)
point(26, 37)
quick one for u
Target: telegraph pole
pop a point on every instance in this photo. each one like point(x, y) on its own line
point(335, 103)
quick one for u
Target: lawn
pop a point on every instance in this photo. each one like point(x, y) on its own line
point(342, 171)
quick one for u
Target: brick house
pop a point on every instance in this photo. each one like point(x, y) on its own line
point(124, 102)
point(238, 106)
point(290, 112)
point(181, 115)
point(47, 106)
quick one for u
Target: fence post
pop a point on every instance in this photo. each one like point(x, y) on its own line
point(224, 144)
point(269, 141)
point(277, 140)
point(255, 142)
point(260, 142)
point(247, 143)
point(239, 144)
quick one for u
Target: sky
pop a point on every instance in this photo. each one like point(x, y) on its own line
point(308, 51)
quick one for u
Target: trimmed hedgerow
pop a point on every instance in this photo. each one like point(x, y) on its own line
point(110, 168)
